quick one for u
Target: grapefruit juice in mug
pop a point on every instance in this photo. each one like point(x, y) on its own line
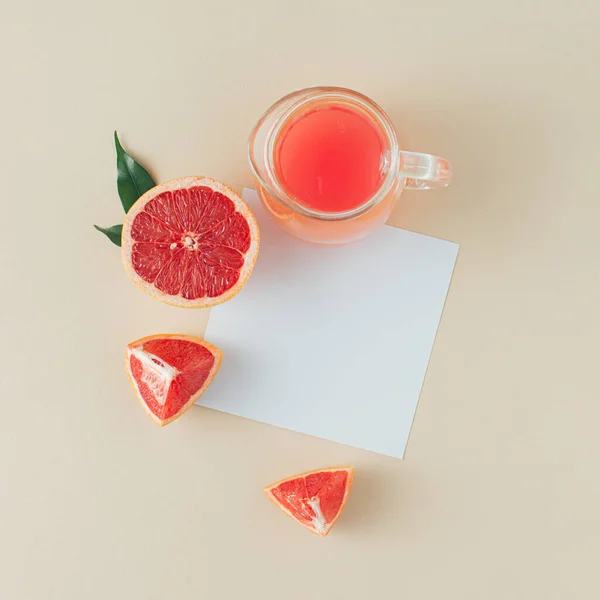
point(328, 166)
point(329, 159)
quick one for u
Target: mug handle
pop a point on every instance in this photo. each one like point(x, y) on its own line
point(424, 171)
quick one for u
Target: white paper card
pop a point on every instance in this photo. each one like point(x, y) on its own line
point(332, 341)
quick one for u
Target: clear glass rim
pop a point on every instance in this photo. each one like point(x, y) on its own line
point(309, 96)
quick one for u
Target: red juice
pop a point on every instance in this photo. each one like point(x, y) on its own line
point(329, 159)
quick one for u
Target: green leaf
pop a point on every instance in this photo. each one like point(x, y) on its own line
point(112, 233)
point(132, 179)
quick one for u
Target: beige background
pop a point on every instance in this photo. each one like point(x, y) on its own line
point(498, 495)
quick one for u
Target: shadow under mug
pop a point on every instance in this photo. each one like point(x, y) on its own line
point(399, 170)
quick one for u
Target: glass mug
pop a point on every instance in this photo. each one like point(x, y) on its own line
point(396, 169)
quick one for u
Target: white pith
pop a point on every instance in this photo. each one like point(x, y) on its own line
point(318, 521)
point(158, 377)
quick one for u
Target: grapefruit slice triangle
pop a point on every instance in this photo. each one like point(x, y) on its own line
point(170, 372)
point(315, 499)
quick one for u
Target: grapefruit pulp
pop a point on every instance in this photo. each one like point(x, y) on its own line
point(170, 372)
point(190, 242)
point(315, 499)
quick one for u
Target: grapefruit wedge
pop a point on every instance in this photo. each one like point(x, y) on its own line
point(315, 499)
point(170, 372)
point(190, 242)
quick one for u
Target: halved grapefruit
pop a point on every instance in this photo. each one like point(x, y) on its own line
point(314, 499)
point(190, 242)
point(170, 372)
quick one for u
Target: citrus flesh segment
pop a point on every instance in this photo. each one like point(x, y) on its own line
point(170, 372)
point(190, 242)
point(315, 499)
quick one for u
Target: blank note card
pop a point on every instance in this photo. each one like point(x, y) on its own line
point(333, 341)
